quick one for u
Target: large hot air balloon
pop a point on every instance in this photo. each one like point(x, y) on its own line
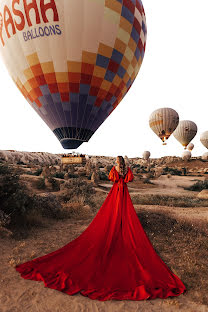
point(186, 155)
point(204, 138)
point(163, 122)
point(146, 155)
point(73, 61)
point(190, 147)
point(185, 132)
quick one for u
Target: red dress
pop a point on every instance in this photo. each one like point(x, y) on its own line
point(112, 259)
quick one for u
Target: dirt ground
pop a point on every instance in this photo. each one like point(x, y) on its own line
point(173, 186)
point(17, 294)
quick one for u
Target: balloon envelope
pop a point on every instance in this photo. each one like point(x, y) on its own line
point(73, 61)
point(146, 155)
point(190, 147)
point(186, 155)
point(205, 156)
point(163, 122)
point(204, 138)
point(185, 132)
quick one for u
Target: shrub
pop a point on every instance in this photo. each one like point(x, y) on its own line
point(19, 211)
point(20, 163)
point(59, 175)
point(147, 181)
point(55, 184)
point(38, 172)
point(48, 206)
point(4, 219)
point(78, 188)
point(15, 202)
point(73, 176)
point(172, 171)
point(40, 184)
point(198, 186)
point(103, 176)
point(35, 173)
point(171, 201)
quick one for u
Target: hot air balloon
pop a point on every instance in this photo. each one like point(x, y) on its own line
point(185, 132)
point(186, 155)
point(163, 122)
point(73, 61)
point(204, 138)
point(146, 155)
point(205, 156)
point(190, 147)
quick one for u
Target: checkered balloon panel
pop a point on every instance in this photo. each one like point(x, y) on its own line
point(74, 61)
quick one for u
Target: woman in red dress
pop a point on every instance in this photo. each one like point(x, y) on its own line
point(112, 259)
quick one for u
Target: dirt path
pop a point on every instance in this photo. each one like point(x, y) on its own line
point(17, 294)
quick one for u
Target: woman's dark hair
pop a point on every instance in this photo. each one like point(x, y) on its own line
point(122, 165)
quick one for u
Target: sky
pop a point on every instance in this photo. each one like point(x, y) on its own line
point(174, 74)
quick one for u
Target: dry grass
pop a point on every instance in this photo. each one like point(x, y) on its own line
point(76, 211)
point(183, 248)
point(166, 200)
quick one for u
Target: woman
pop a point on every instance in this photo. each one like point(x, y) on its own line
point(112, 259)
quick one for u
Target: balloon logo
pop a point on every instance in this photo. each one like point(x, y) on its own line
point(73, 61)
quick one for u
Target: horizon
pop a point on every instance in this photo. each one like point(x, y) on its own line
point(170, 76)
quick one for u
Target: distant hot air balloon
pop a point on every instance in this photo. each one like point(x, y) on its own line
point(73, 61)
point(205, 156)
point(190, 147)
point(146, 155)
point(204, 138)
point(185, 132)
point(163, 122)
point(186, 155)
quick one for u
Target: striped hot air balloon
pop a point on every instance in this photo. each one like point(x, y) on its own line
point(204, 138)
point(73, 60)
point(163, 122)
point(185, 132)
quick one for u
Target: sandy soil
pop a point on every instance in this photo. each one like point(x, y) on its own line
point(162, 186)
point(17, 294)
point(198, 216)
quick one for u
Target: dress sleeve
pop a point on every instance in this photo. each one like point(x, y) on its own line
point(112, 175)
point(129, 176)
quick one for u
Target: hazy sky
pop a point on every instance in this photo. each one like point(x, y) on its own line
point(174, 74)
